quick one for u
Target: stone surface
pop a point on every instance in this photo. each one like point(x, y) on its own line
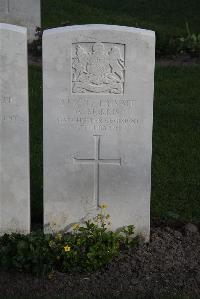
point(14, 131)
point(98, 114)
point(21, 12)
point(191, 228)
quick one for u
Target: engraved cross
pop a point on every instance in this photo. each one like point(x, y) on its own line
point(96, 162)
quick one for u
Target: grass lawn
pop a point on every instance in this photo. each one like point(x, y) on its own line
point(35, 107)
point(176, 143)
point(166, 17)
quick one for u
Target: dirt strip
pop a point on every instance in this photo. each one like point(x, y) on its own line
point(169, 264)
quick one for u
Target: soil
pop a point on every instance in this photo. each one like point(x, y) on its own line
point(169, 264)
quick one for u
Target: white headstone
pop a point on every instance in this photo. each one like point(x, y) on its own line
point(14, 131)
point(98, 114)
point(21, 12)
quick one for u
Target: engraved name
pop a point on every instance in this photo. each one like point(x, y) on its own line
point(98, 115)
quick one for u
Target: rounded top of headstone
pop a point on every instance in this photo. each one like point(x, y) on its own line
point(102, 27)
point(11, 27)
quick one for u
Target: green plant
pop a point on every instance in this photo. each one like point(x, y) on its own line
point(86, 248)
point(190, 44)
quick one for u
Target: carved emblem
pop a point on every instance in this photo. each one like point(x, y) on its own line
point(100, 70)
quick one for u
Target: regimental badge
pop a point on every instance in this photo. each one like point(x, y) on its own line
point(98, 69)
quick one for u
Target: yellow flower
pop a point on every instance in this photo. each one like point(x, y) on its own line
point(103, 206)
point(67, 248)
point(75, 226)
point(58, 237)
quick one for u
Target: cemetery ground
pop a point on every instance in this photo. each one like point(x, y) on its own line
point(169, 266)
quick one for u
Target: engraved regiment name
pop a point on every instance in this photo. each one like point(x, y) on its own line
point(98, 68)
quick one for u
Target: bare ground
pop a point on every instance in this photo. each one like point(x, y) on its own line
point(169, 264)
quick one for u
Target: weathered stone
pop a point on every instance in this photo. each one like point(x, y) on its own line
point(98, 114)
point(14, 131)
point(21, 12)
point(191, 228)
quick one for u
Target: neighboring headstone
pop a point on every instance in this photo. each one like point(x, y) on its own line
point(98, 114)
point(21, 12)
point(14, 131)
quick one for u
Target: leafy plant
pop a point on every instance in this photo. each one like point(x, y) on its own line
point(190, 44)
point(86, 248)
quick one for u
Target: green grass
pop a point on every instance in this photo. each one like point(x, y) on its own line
point(166, 17)
point(176, 143)
point(35, 107)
